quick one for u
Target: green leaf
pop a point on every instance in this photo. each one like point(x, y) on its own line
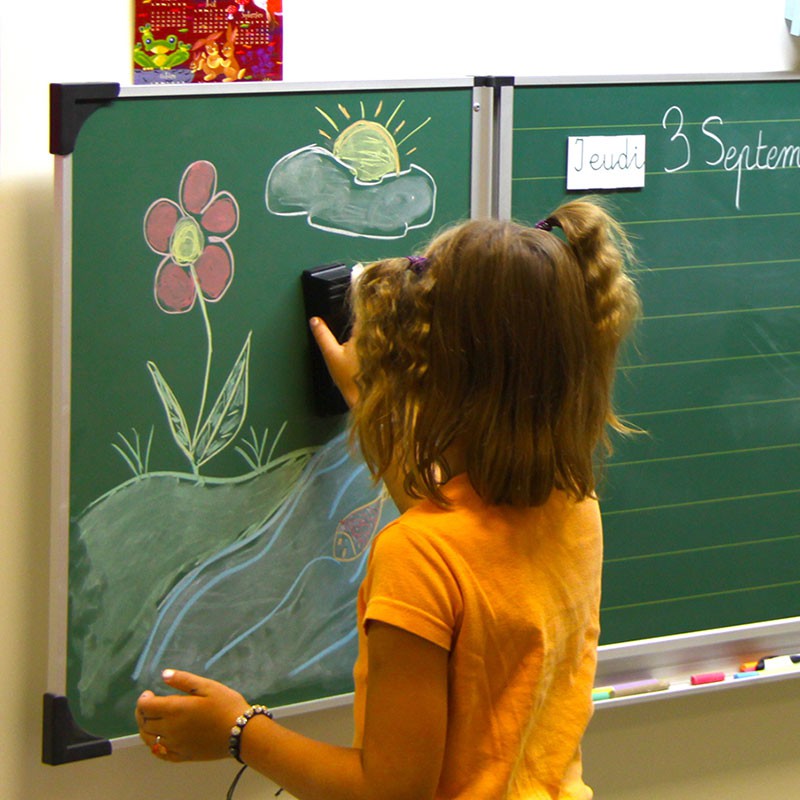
point(228, 413)
point(175, 415)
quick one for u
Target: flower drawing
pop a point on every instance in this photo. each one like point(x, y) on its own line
point(197, 268)
point(192, 235)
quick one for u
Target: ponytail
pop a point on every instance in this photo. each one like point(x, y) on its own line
point(603, 252)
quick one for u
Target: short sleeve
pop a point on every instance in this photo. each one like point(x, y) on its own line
point(410, 583)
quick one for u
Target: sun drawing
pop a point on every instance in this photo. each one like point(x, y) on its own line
point(368, 147)
point(352, 181)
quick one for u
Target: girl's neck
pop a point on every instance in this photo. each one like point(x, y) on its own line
point(456, 459)
point(393, 479)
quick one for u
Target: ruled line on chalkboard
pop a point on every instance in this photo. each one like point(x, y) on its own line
point(726, 311)
point(717, 407)
point(721, 265)
point(710, 454)
point(663, 173)
point(543, 178)
point(652, 174)
point(636, 125)
point(723, 218)
point(707, 501)
point(705, 548)
point(656, 173)
point(701, 596)
point(630, 367)
point(595, 127)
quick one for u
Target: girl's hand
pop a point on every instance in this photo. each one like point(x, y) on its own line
point(341, 359)
point(194, 726)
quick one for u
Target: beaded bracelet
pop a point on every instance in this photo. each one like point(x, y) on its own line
point(235, 740)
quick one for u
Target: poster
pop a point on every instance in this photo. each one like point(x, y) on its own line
point(207, 41)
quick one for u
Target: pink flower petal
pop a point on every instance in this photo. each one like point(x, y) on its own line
point(159, 223)
point(214, 270)
point(198, 185)
point(222, 215)
point(174, 288)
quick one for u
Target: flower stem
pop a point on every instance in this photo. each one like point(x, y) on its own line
point(204, 309)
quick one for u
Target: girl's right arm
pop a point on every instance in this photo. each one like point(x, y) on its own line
point(342, 363)
point(341, 359)
point(405, 727)
point(404, 732)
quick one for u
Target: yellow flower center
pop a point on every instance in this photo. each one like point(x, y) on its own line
point(187, 241)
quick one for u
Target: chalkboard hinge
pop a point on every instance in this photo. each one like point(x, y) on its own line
point(494, 81)
point(63, 741)
point(71, 104)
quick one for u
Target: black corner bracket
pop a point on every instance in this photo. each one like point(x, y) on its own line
point(71, 104)
point(62, 740)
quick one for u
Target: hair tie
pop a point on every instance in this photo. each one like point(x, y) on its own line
point(544, 224)
point(418, 264)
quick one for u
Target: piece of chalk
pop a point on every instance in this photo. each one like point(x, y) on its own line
point(601, 694)
point(707, 677)
point(750, 673)
point(780, 663)
point(640, 687)
point(748, 666)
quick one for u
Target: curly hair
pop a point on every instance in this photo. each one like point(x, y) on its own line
point(506, 346)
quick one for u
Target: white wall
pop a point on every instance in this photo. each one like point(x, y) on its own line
point(712, 746)
point(423, 38)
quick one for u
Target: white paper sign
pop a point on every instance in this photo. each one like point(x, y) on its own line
point(606, 162)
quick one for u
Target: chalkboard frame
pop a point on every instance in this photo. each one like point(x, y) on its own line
point(673, 658)
point(670, 657)
point(71, 106)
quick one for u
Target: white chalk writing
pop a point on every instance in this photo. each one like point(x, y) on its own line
point(757, 154)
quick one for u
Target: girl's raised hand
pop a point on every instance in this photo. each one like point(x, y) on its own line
point(192, 726)
point(341, 359)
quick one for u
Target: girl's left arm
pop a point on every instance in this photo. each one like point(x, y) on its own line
point(404, 734)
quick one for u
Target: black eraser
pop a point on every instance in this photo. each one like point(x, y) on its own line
point(326, 294)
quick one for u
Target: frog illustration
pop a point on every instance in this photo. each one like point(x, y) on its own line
point(153, 53)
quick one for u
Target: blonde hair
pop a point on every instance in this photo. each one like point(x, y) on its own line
point(505, 345)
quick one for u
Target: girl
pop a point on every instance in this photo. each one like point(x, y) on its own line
point(480, 378)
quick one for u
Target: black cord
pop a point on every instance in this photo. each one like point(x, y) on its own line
point(232, 789)
point(235, 782)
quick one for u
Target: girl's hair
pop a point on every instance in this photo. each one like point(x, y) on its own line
point(502, 343)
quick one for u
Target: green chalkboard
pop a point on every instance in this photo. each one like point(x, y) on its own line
point(701, 512)
point(216, 522)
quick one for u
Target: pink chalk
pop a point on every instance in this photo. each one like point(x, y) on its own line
point(708, 677)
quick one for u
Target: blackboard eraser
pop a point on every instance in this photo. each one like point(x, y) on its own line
point(326, 294)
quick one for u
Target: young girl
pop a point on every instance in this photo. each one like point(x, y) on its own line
point(479, 377)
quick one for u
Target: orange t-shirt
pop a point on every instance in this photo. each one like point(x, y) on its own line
point(513, 595)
